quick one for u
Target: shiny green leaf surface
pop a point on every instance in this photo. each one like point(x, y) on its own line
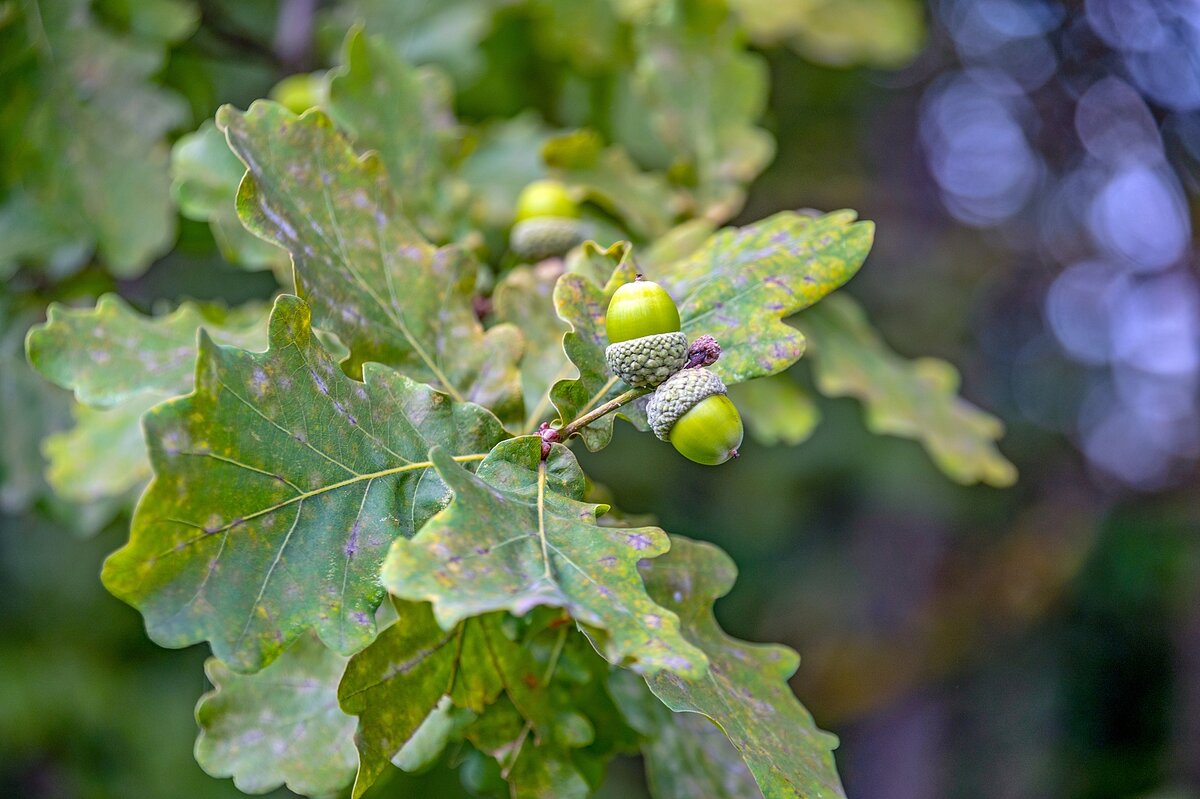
point(745, 691)
point(281, 726)
point(279, 484)
point(369, 276)
point(518, 535)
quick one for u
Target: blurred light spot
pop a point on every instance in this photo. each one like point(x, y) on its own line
point(1156, 326)
point(1115, 125)
point(977, 149)
point(1140, 216)
point(1127, 24)
point(1079, 309)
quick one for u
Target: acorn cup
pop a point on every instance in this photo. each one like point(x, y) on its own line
point(645, 343)
point(692, 411)
point(547, 221)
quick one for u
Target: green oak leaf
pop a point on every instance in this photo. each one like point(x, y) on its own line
point(279, 726)
point(914, 399)
point(447, 33)
point(370, 277)
point(701, 93)
point(394, 685)
point(745, 691)
point(402, 112)
point(776, 409)
point(534, 769)
point(738, 286)
point(120, 364)
point(685, 754)
point(204, 181)
point(39, 407)
point(506, 158)
point(111, 353)
point(518, 535)
point(279, 483)
point(104, 454)
point(607, 176)
point(885, 33)
point(524, 297)
point(88, 151)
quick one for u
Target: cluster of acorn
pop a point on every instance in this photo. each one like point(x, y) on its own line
point(646, 348)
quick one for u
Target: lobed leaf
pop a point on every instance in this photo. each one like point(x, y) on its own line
point(279, 483)
point(88, 163)
point(369, 276)
point(524, 297)
point(685, 754)
point(518, 535)
point(745, 691)
point(402, 112)
point(204, 181)
point(281, 726)
point(397, 682)
point(776, 410)
point(738, 286)
point(607, 176)
point(914, 399)
point(110, 353)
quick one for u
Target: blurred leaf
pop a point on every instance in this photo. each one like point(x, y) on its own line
point(737, 287)
point(517, 535)
point(745, 691)
point(885, 33)
point(278, 484)
point(279, 726)
point(110, 353)
point(104, 454)
point(388, 294)
point(393, 686)
point(31, 409)
point(89, 152)
point(205, 175)
point(156, 20)
point(685, 754)
point(702, 94)
point(505, 160)
point(402, 112)
point(643, 200)
point(913, 399)
point(120, 364)
point(584, 33)
point(776, 410)
point(447, 32)
point(525, 297)
point(533, 768)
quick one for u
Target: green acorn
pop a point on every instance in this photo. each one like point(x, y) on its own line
point(692, 411)
point(645, 343)
point(547, 221)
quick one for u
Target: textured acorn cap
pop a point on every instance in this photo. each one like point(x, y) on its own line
point(545, 236)
point(677, 396)
point(649, 360)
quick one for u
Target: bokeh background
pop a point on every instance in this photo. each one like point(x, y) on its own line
point(1032, 168)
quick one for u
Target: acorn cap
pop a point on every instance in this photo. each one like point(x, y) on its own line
point(545, 236)
point(677, 396)
point(649, 360)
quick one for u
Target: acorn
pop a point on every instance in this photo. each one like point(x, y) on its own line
point(645, 343)
point(547, 221)
point(692, 411)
